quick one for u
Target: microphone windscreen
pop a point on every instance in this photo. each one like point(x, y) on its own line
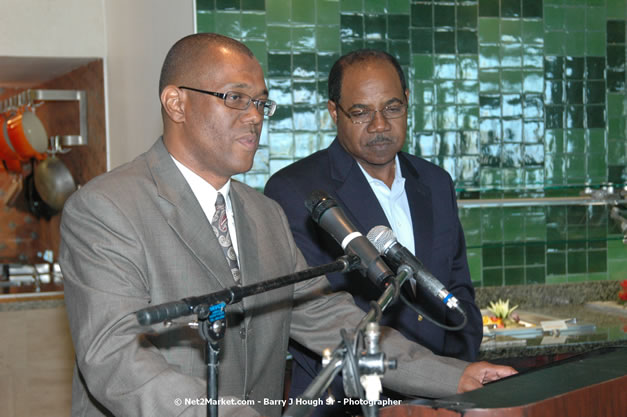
point(381, 237)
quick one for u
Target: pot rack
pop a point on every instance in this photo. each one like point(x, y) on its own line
point(38, 96)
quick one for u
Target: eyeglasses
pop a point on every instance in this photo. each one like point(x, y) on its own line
point(240, 101)
point(358, 116)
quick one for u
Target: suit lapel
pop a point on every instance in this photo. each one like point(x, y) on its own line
point(186, 217)
point(421, 208)
point(353, 189)
point(246, 240)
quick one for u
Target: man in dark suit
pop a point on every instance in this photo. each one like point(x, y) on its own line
point(375, 183)
point(173, 224)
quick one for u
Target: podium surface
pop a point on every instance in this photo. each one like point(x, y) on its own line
point(592, 384)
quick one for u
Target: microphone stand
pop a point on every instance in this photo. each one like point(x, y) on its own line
point(334, 363)
point(211, 317)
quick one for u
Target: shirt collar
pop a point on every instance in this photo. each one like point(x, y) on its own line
point(200, 187)
point(398, 185)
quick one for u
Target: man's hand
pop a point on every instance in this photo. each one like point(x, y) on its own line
point(479, 373)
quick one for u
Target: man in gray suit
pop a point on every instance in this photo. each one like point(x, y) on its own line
point(172, 224)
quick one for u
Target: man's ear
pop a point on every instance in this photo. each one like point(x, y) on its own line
point(173, 102)
point(332, 107)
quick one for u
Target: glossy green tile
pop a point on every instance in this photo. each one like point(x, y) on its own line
point(556, 263)
point(227, 5)
point(304, 65)
point(532, 32)
point(489, 30)
point(492, 277)
point(489, 57)
point(574, 117)
point(533, 57)
point(514, 276)
point(253, 25)
point(513, 230)
point(489, 8)
point(229, 24)
point(595, 19)
point(615, 81)
point(574, 92)
point(595, 43)
point(256, 5)
point(574, 67)
point(352, 5)
point(492, 256)
point(535, 275)
point(616, 128)
point(616, 152)
point(595, 116)
point(352, 26)
point(375, 6)
point(444, 42)
point(554, 116)
point(281, 144)
point(444, 16)
point(375, 27)
point(467, 92)
point(492, 225)
point(511, 31)
point(532, 9)
point(304, 92)
point(511, 81)
point(279, 65)
point(258, 48)
point(574, 18)
point(303, 38)
point(535, 254)
point(575, 141)
point(278, 11)
point(424, 92)
point(328, 38)
point(467, 42)
point(489, 81)
point(616, 31)
point(554, 42)
point(398, 27)
point(422, 15)
point(422, 66)
point(205, 22)
point(511, 8)
point(467, 16)
point(533, 130)
point(445, 67)
point(400, 50)
point(553, 18)
point(204, 6)
point(468, 68)
point(279, 38)
point(577, 263)
point(617, 9)
point(421, 41)
point(328, 12)
point(304, 12)
point(576, 45)
point(281, 91)
point(474, 264)
point(398, 6)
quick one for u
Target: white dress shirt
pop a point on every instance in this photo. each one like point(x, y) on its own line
point(395, 205)
point(206, 196)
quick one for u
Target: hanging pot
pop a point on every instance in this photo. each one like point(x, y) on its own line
point(54, 182)
point(8, 155)
point(36, 205)
point(27, 135)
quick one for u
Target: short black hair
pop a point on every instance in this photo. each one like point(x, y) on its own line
point(186, 50)
point(361, 55)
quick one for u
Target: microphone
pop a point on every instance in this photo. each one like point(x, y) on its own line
point(384, 240)
point(325, 212)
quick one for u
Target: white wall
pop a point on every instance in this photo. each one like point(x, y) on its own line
point(52, 28)
point(139, 33)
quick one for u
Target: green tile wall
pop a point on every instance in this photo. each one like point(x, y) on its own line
point(514, 98)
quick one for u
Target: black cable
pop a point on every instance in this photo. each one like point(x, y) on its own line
point(352, 362)
point(432, 320)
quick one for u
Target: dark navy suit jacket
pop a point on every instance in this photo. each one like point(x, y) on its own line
point(438, 235)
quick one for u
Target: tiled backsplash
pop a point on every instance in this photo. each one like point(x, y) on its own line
point(514, 98)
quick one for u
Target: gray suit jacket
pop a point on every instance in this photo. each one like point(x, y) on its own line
point(137, 236)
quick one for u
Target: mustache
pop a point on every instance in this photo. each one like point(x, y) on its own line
point(379, 139)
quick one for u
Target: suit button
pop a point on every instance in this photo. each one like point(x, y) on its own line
point(242, 333)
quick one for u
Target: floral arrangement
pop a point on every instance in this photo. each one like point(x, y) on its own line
point(622, 294)
point(503, 315)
